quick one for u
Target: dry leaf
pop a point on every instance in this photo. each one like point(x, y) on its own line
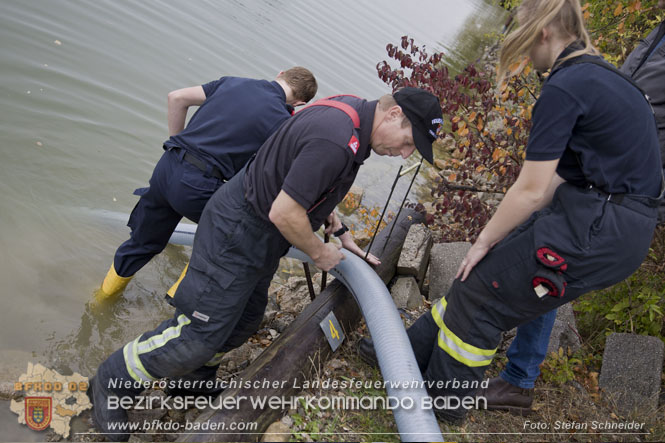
point(619, 9)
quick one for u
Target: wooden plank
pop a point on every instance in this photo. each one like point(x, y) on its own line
point(301, 349)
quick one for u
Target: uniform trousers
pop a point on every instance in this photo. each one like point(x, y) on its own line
point(177, 189)
point(221, 300)
point(599, 242)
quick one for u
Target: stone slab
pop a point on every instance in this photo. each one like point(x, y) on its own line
point(564, 332)
point(630, 376)
point(414, 258)
point(445, 258)
point(405, 293)
point(277, 432)
point(425, 286)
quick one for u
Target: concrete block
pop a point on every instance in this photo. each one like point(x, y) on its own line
point(414, 258)
point(631, 372)
point(425, 286)
point(445, 258)
point(564, 332)
point(277, 432)
point(405, 293)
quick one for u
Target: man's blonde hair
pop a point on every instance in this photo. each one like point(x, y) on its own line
point(302, 83)
point(533, 17)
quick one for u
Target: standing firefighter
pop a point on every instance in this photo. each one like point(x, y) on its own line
point(580, 216)
point(297, 178)
point(236, 115)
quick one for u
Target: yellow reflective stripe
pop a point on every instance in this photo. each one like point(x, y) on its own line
point(454, 346)
point(465, 346)
point(217, 359)
point(126, 352)
point(460, 355)
point(138, 363)
point(133, 363)
point(133, 349)
point(438, 310)
point(157, 341)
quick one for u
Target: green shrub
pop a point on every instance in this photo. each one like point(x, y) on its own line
point(635, 305)
point(560, 367)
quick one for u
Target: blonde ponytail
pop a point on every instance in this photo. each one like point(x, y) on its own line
point(533, 16)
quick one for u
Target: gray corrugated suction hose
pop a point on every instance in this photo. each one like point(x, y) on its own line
point(398, 365)
point(183, 234)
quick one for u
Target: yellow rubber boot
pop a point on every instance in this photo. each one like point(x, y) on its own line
point(171, 291)
point(113, 284)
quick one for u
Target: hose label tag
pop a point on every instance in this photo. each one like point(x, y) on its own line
point(332, 330)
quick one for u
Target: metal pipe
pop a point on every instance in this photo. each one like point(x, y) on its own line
point(378, 225)
point(401, 206)
point(308, 277)
point(324, 274)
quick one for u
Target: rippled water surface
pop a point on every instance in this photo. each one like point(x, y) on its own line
point(83, 87)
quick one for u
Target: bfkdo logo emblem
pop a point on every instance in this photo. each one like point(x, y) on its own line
point(38, 412)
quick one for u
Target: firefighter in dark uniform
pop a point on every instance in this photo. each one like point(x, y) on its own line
point(236, 115)
point(512, 390)
point(580, 216)
point(280, 199)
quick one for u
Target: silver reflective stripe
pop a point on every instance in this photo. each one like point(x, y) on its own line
point(440, 308)
point(133, 363)
point(454, 346)
point(437, 312)
point(487, 359)
point(157, 341)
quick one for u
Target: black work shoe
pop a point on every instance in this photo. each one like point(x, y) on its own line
point(503, 396)
point(450, 418)
point(107, 420)
point(367, 352)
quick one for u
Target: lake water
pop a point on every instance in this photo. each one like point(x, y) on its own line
point(83, 87)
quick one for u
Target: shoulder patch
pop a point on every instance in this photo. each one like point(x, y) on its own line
point(354, 144)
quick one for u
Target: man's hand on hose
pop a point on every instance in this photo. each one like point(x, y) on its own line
point(292, 221)
point(329, 258)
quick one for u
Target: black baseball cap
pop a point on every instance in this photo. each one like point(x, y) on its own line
point(423, 110)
